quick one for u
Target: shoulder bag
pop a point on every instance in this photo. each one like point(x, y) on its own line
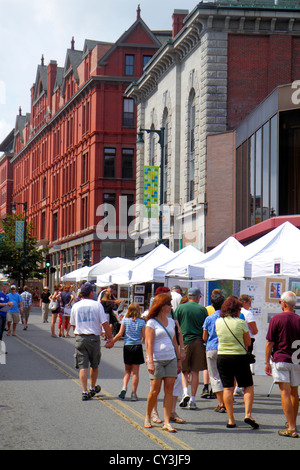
point(251, 357)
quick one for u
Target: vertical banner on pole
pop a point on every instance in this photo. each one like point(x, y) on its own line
point(151, 190)
point(19, 237)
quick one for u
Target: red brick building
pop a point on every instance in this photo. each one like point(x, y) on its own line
point(75, 151)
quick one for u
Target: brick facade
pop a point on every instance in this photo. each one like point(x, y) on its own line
point(75, 151)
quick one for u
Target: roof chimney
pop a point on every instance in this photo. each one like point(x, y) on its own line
point(138, 12)
point(178, 17)
point(42, 59)
point(72, 43)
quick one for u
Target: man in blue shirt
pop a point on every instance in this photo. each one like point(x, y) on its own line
point(13, 315)
point(5, 304)
point(211, 339)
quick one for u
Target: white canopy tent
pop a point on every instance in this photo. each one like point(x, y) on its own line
point(278, 253)
point(106, 266)
point(178, 265)
point(225, 261)
point(77, 275)
point(142, 271)
point(105, 279)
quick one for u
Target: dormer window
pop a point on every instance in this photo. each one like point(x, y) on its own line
point(129, 64)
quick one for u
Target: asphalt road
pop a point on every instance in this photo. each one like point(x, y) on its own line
point(41, 408)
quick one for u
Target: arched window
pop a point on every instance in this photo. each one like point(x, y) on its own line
point(191, 147)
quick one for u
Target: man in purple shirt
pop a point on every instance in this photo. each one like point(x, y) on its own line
point(283, 340)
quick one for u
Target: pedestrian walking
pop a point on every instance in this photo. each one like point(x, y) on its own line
point(54, 308)
point(5, 305)
point(66, 299)
point(133, 329)
point(44, 304)
point(191, 316)
point(232, 361)
point(163, 357)
point(282, 347)
point(27, 306)
point(13, 315)
point(211, 339)
point(87, 318)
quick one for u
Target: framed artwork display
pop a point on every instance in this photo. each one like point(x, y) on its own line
point(139, 299)
point(274, 288)
point(139, 290)
point(294, 286)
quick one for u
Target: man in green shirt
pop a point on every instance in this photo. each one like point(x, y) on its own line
point(191, 317)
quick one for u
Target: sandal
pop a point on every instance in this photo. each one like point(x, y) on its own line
point(252, 423)
point(288, 433)
point(175, 418)
point(147, 423)
point(168, 427)
point(220, 409)
point(155, 418)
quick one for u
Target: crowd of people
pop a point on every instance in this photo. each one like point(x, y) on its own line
point(182, 338)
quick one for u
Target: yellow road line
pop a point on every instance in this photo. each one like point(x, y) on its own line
point(63, 368)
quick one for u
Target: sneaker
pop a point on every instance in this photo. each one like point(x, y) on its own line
point(192, 405)
point(122, 394)
point(184, 401)
point(238, 392)
point(86, 396)
point(205, 393)
point(134, 397)
point(95, 390)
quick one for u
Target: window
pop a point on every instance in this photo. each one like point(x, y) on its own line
point(44, 187)
point(146, 59)
point(84, 212)
point(165, 156)
point(85, 168)
point(128, 163)
point(109, 162)
point(191, 147)
point(129, 64)
point(128, 112)
point(257, 175)
point(55, 226)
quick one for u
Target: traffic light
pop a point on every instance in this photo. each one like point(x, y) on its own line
point(48, 263)
point(86, 258)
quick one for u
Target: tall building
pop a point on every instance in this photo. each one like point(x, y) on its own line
point(74, 154)
point(213, 92)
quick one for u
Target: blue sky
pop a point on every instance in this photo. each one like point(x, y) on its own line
point(31, 28)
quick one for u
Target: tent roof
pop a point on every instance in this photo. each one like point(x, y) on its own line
point(105, 266)
point(280, 246)
point(225, 261)
point(142, 271)
point(77, 275)
point(178, 265)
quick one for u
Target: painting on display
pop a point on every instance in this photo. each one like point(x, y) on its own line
point(274, 289)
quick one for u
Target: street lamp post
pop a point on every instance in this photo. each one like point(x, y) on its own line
point(161, 133)
point(24, 204)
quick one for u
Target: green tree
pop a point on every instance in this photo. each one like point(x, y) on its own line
point(12, 255)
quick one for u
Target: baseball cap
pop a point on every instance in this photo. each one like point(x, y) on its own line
point(86, 289)
point(13, 287)
point(194, 291)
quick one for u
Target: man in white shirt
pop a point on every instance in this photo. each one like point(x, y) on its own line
point(249, 318)
point(176, 297)
point(87, 318)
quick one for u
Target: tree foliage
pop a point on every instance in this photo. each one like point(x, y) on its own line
point(12, 255)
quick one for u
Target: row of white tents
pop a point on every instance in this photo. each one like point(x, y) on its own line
point(228, 261)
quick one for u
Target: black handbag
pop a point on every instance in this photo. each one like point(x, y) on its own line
point(250, 356)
